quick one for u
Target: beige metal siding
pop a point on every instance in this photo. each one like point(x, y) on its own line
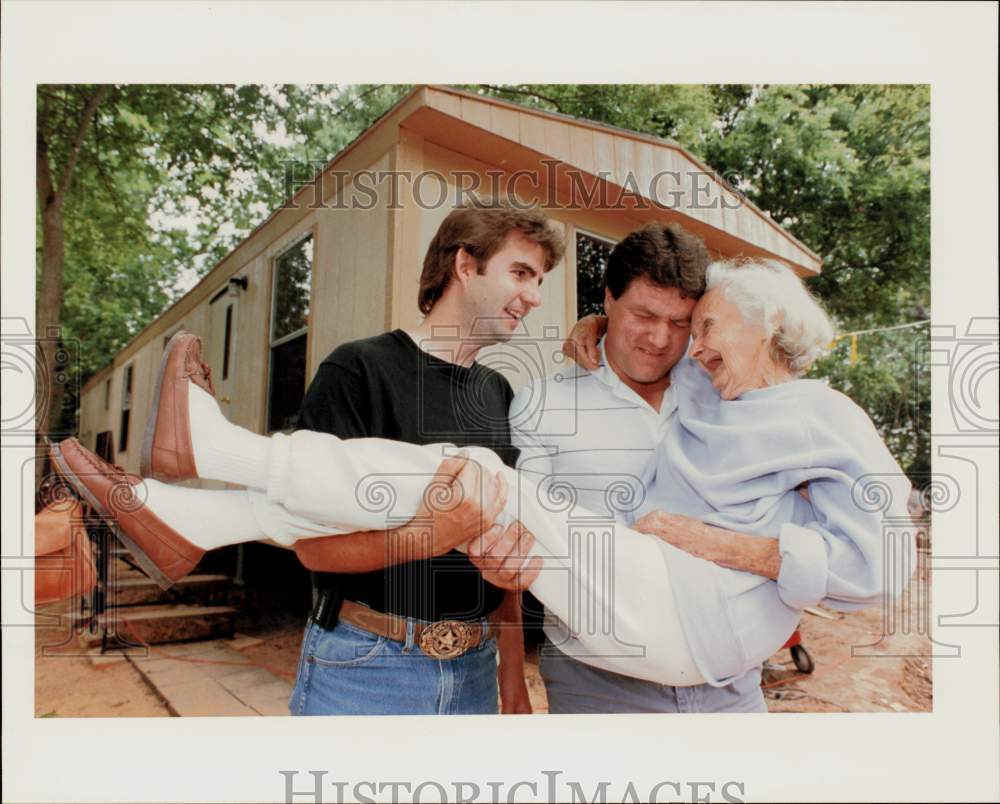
point(350, 270)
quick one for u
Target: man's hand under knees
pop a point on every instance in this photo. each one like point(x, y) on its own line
point(462, 501)
point(501, 555)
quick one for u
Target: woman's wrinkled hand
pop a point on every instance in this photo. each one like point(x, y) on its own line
point(581, 345)
point(683, 532)
point(738, 551)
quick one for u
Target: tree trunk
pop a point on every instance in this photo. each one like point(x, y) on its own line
point(49, 313)
point(48, 308)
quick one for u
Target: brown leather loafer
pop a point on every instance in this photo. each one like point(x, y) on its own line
point(64, 561)
point(167, 453)
point(163, 554)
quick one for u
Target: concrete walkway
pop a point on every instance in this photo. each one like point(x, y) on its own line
point(211, 679)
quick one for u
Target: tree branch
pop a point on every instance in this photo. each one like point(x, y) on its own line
point(43, 173)
point(102, 174)
point(81, 132)
point(890, 254)
point(362, 96)
point(529, 93)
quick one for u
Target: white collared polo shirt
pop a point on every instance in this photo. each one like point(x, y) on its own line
point(587, 440)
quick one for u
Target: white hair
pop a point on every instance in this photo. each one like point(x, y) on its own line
point(769, 293)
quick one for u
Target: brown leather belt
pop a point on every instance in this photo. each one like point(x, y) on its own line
point(444, 639)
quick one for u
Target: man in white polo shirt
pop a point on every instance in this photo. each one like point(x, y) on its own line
point(593, 433)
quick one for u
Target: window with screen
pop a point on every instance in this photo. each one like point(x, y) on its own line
point(591, 259)
point(126, 409)
point(227, 342)
point(289, 328)
point(105, 446)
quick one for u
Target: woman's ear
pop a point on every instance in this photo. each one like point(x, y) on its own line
point(778, 348)
point(774, 329)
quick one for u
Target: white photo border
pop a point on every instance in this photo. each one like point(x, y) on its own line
point(949, 754)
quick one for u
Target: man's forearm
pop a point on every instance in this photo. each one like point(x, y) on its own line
point(510, 640)
point(514, 695)
point(365, 551)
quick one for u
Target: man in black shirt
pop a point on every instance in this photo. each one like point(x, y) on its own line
point(404, 623)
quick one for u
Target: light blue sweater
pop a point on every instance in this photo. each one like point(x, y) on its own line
point(736, 464)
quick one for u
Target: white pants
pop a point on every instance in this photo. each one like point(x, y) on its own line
point(609, 584)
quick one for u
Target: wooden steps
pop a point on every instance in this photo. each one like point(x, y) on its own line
point(160, 624)
point(133, 589)
point(127, 609)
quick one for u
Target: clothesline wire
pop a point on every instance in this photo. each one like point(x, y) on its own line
point(881, 329)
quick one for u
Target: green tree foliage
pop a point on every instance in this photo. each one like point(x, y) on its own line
point(142, 184)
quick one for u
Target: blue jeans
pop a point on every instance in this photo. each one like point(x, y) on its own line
point(573, 687)
point(350, 671)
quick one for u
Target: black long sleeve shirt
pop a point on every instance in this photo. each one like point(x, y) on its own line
point(387, 387)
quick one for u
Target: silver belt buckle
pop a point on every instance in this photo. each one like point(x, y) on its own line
point(446, 639)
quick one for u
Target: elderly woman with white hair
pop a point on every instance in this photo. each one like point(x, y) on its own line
point(709, 582)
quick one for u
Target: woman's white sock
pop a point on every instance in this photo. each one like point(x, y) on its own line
point(207, 518)
point(222, 450)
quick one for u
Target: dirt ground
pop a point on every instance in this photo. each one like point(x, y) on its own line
point(892, 676)
point(861, 664)
point(69, 684)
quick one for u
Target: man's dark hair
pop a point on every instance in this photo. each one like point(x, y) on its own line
point(481, 227)
point(665, 254)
